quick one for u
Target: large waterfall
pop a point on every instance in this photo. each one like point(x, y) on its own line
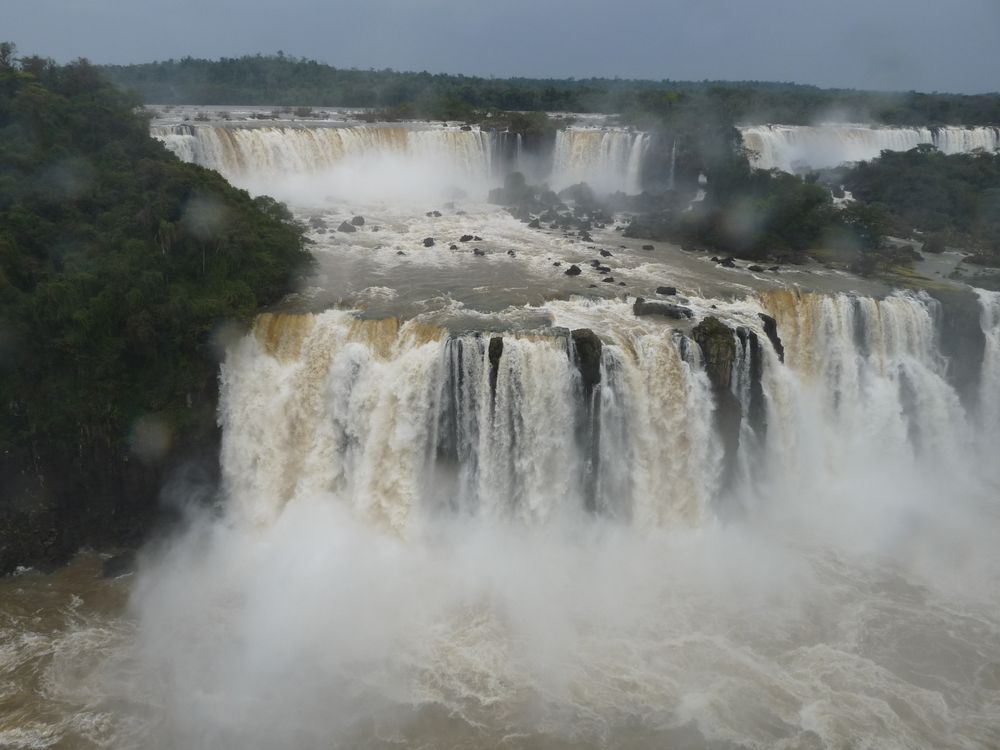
point(376, 158)
point(793, 147)
point(470, 500)
point(398, 420)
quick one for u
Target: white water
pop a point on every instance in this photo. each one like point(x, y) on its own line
point(606, 159)
point(794, 148)
point(408, 556)
point(389, 162)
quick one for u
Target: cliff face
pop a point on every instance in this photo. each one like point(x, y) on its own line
point(55, 499)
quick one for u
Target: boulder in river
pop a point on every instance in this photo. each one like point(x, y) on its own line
point(668, 291)
point(358, 221)
point(428, 242)
point(573, 270)
point(465, 238)
point(346, 226)
point(666, 309)
point(477, 251)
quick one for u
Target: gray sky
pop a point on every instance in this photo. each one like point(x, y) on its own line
point(947, 45)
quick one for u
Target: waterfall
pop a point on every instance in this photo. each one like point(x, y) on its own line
point(401, 420)
point(380, 156)
point(989, 386)
point(607, 160)
point(795, 148)
point(672, 182)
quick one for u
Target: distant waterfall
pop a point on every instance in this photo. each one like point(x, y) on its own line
point(416, 155)
point(793, 147)
point(238, 152)
point(607, 160)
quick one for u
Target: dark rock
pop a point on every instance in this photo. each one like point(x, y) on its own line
point(400, 252)
point(534, 224)
point(962, 339)
point(718, 348)
point(573, 270)
point(771, 331)
point(666, 290)
point(453, 247)
point(605, 253)
point(621, 283)
point(477, 238)
point(477, 251)
point(609, 280)
point(774, 268)
point(666, 309)
point(595, 263)
point(755, 268)
point(604, 269)
point(557, 263)
point(648, 247)
point(493, 354)
point(511, 253)
point(428, 242)
point(465, 238)
point(358, 221)
point(346, 227)
point(728, 262)
point(587, 348)
point(466, 128)
point(434, 214)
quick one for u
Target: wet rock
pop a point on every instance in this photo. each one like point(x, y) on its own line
point(774, 268)
point(511, 253)
point(621, 283)
point(587, 348)
point(718, 348)
point(604, 269)
point(755, 268)
point(477, 238)
point(573, 270)
point(453, 247)
point(358, 221)
point(428, 242)
point(666, 309)
point(728, 262)
point(400, 252)
point(668, 291)
point(557, 263)
point(648, 247)
point(477, 251)
point(595, 263)
point(608, 280)
point(466, 128)
point(771, 331)
point(494, 352)
point(434, 214)
point(605, 253)
point(346, 227)
point(465, 238)
point(534, 224)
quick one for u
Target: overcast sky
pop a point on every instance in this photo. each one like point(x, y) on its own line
point(947, 45)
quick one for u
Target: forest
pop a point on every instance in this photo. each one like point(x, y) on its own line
point(284, 80)
point(118, 265)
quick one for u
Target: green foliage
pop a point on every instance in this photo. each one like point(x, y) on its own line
point(117, 261)
point(952, 197)
point(276, 80)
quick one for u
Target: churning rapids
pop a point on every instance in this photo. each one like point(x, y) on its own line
point(470, 501)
